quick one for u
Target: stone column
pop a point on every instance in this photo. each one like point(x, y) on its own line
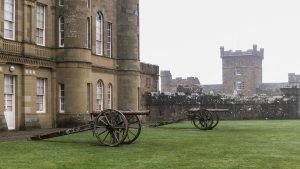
point(29, 99)
point(3, 125)
point(128, 54)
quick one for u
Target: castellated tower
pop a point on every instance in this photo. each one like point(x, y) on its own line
point(128, 54)
point(166, 80)
point(242, 70)
point(74, 58)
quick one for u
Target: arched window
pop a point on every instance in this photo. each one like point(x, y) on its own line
point(99, 37)
point(61, 30)
point(110, 96)
point(99, 96)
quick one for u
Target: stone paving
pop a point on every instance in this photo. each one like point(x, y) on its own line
point(22, 135)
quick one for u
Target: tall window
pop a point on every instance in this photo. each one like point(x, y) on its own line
point(88, 3)
point(61, 2)
point(110, 96)
point(61, 31)
point(99, 23)
point(9, 19)
point(88, 32)
point(40, 25)
point(61, 98)
point(40, 95)
point(99, 97)
point(109, 39)
point(8, 93)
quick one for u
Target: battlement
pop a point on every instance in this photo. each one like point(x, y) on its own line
point(251, 52)
point(149, 69)
point(165, 73)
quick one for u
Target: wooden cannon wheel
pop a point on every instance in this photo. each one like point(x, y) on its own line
point(110, 128)
point(203, 119)
point(134, 128)
point(216, 119)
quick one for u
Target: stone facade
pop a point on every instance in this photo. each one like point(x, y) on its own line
point(149, 83)
point(242, 70)
point(170, 85)
point(64, 60)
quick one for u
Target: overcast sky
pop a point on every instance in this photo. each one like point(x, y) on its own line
point(184, 36)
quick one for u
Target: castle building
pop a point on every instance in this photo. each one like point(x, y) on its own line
point(168, 84)
point(61, 59)
point(242, 70)
point(293, 80)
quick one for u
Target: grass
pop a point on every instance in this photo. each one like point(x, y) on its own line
point(233, 144)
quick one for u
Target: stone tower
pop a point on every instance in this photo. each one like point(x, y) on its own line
point(166, 80)
point(128, 54)
point(74, 64)
point(242, 70)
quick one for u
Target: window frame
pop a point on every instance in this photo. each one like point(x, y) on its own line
point(239, 85)
point(44, 24)
point(61, 97)
point(60, 31)
point(110, 96)
point(88, 33)
point(109, 40)
point(61, 2)
point(13, 21)
point(99, 33)
point(44, 95)
point(100, 95)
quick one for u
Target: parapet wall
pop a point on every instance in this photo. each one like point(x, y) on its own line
point(250, 52)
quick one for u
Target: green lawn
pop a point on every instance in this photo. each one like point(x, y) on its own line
point(233, 144)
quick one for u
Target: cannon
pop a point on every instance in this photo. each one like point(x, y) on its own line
point(110, 127)
point(203, 119)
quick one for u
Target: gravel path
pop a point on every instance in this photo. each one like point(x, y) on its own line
point(22, 135)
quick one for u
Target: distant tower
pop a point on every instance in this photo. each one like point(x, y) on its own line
point(128, 54)
point(166, 79)
point(242, 70)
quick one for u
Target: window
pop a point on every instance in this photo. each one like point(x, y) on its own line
point(9, 19)
point(9, 93)
point(61, 98)
point(88, 3)
point(110, 96)
point(61, 2)
point(239, 85)
point(40, 25)
point(99, 23)
point(61, 31)
point(88, 33)
point(40, 95)
point(238, 71)
point(148, 82)
point(109, 39)
point(99, 97)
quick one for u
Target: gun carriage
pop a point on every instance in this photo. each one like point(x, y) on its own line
point(203, 119)
point(110, 127)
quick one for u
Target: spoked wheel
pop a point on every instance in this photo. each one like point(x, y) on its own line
point(134, 129)
point(215, 120)
point(111, 127)
point(203, 120)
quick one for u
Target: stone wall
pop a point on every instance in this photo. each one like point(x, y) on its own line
point(169, 108)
